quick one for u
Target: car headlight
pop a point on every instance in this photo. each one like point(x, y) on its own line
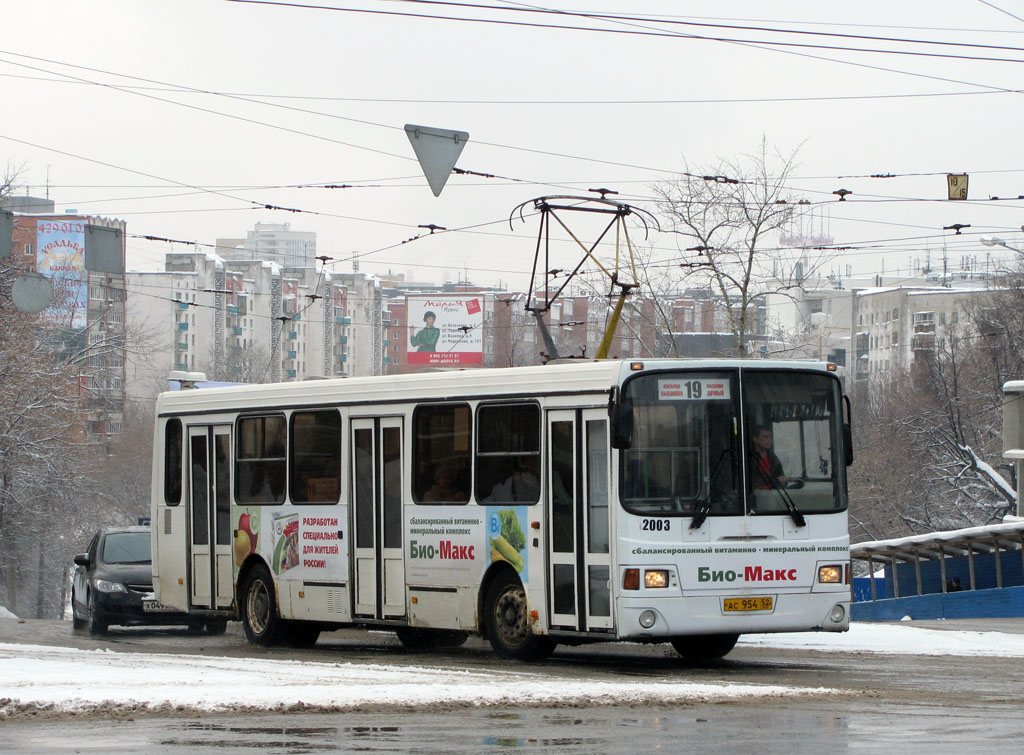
point(104, 586)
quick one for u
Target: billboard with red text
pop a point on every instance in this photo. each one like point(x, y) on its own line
point(446, 330)
point(60, 256)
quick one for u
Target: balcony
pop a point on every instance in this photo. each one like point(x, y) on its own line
point(182, 326)
point(236, 331)
point(232, 309)
point(343, 358)
point(291, 373)
point(342, 339)
point(343, 320)
point(292, 355)
point(292, 335)
point(923, 342)
point(181, 345)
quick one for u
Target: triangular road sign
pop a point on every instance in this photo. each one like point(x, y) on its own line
point(437, 149)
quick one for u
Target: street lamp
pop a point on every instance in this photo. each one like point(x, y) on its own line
point(996, 241)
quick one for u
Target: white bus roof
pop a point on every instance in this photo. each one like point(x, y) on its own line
point(563, 377)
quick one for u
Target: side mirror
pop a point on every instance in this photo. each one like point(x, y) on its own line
point(82, 559)
point(622, 425)
point(847, 431)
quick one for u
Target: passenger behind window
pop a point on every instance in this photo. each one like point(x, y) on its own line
point(446, 486)
point(520, 486)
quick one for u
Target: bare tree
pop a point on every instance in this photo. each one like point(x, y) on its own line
point(726, 216)
point(239, 364)
point(10, 179)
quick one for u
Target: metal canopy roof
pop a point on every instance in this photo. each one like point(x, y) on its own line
point(1006, 536)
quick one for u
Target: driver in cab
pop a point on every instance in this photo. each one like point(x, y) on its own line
point(768, 471)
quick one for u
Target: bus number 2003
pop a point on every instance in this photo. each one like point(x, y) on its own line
point(656, 525)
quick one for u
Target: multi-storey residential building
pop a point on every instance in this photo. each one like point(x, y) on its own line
point(895, 325)
point(272, 242)
point(253, 321)
point(88, 315)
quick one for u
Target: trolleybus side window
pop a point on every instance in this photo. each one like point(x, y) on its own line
point(172, 462)
point(315, 458)
point(682, 454)
point(442, 453)
point(508, 453)
point(260, 462)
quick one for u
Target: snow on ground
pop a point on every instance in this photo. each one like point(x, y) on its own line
point(68, 680)
point(6, 614)
point(894, 638)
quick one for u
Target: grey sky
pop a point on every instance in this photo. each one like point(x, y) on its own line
point(322, 96)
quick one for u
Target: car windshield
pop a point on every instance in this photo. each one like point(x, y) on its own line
point(127, 548)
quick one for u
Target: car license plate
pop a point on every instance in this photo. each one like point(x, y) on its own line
point(749, 604)
point(152, 606)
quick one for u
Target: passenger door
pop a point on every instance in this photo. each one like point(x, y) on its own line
point(377, 485)
point(579, 578)
point(209, 520)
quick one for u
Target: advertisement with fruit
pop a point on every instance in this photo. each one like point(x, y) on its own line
point(247, 531)
point(294, 543)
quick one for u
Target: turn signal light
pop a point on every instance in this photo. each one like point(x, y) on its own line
point(631, 579)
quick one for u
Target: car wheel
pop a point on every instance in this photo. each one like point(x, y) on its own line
point(508, 622)
point(76, 621)
point(705, 647)
point(97, 624)
point(262, 624)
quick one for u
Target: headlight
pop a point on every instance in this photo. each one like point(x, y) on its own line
point(656, 578)
point(104, 586)
point(830, 574)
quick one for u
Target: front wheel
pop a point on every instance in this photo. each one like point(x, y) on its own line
point(508, 622)
point(262, 624)
point(705, 647)
point(97, 624)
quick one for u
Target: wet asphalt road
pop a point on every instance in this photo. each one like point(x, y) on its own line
point(905, 703)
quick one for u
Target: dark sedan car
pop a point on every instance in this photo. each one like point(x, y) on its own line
point(113, 584)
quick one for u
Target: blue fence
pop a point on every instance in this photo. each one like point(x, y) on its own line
point(987, 600)
point(970, 604)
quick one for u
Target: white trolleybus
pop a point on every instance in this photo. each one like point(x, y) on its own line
point(655, 501)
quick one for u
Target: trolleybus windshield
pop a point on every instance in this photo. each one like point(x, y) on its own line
point(707, 443)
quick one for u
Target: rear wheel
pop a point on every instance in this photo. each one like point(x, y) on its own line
point(508, 622)
point(415, 638)
point(97, 624)
point(705, 647)
point(260, 619)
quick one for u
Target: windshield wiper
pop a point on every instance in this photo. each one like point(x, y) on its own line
point(798, 517)
point(705, 506)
